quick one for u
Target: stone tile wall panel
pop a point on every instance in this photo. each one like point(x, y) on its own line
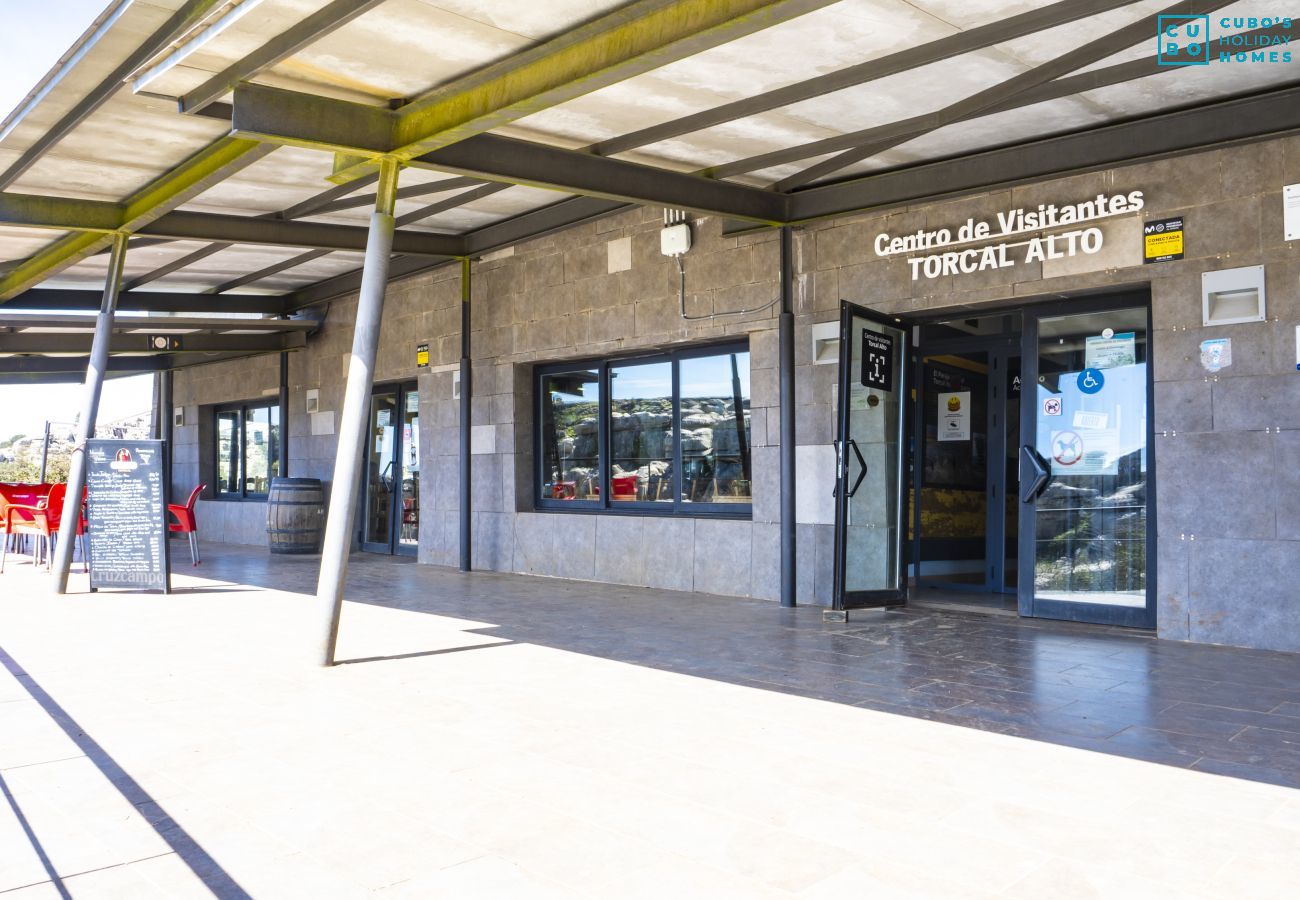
point(567, 296)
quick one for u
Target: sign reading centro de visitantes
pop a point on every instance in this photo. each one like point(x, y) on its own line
point(126, 515)
point(935, 253)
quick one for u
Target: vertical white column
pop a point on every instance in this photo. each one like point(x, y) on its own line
point(94, 386)
point(341, 517)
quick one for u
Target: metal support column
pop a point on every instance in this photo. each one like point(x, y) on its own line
point(284, 415)
point(466, 423)
point(155, 424)
point(45, 453)
point(785, 336)
point(356, 399)
point(166, 384)
point(95, 370)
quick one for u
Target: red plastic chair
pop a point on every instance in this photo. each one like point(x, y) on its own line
point(185, 522)
point(624, 487)
point(42, 520)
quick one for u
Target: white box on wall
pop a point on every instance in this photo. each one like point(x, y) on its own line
point(313, 400)
point(826, 343)
point(1233, 296)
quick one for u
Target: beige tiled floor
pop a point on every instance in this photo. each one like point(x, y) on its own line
point(510, 770)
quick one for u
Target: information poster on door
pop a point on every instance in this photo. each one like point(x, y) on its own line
point(1085, 451)
point(1109, 351)
point(954, 416)
point(126, 511)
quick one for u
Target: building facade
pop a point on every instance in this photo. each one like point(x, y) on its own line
point(1210, 545)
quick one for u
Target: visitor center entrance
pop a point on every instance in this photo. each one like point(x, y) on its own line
point(998, 461)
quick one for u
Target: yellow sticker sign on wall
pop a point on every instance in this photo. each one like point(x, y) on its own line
point(421, 355)
point(1162, 240)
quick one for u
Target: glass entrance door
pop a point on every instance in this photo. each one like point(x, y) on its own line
point(870, 447)
point(1085, 469)
point(390, 514)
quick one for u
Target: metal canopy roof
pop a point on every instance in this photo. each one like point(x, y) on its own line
point(238, 139)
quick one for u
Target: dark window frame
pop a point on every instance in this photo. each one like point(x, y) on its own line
point(241, 410)
point(677, 507)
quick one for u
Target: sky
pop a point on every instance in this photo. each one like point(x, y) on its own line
point(35, 33)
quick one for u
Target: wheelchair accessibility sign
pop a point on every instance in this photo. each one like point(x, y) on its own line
point(1091, 381)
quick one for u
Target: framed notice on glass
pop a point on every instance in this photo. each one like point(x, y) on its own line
point(126, 515)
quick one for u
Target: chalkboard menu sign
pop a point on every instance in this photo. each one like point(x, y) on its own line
point(126, 511)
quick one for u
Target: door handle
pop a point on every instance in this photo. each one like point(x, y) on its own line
point(862, 462)
point(1031, 461)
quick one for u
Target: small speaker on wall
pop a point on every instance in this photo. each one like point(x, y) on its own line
point(313, 400)
point(178, 416)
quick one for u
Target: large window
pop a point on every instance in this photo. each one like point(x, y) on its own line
point(248, 449)
point(666, 434)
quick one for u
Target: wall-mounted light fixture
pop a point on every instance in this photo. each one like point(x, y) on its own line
point(1233, 296)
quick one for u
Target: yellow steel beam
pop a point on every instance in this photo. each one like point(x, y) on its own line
point(63, 213)
point(634, 39)
point(214, 163)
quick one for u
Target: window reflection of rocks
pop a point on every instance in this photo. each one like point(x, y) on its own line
point(571, 435)
point(715, 429)
point(641, 432)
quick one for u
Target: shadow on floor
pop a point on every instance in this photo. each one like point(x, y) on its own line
point(204, 867)
point(1117, 691)
point(39, 849)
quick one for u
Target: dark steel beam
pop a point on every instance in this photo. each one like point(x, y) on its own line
point(407, 193)
point(268, 271)
point(75, 366)
point(425, 212)
point(466, 423)
point(146, 301)
point(214, 163)
point(904, 60)
point(318, 235)
point(320, 203)
point(786, 373)
point(45, 343)
point(538, 223)
point(279, 48)
point(15, 324)
point(311, 206)
point(968, 107)
point(301, 119)
point(916, 125)
point(497, 158)
point(175, 265)
point(350, 282)
point(1240, 120)
point(175, 26)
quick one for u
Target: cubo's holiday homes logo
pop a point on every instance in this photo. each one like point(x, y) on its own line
point(1184, 40)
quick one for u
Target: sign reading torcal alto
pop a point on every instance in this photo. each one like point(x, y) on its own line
point(1044, 217)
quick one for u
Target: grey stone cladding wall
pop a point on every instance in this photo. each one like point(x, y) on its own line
point(599, 289)
point(1227, 447)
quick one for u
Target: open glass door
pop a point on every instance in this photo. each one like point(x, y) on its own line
point(390, 512)
point(870, 464)
point(1085, 466)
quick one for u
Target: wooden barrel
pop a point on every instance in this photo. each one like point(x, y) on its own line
point(295, 515)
